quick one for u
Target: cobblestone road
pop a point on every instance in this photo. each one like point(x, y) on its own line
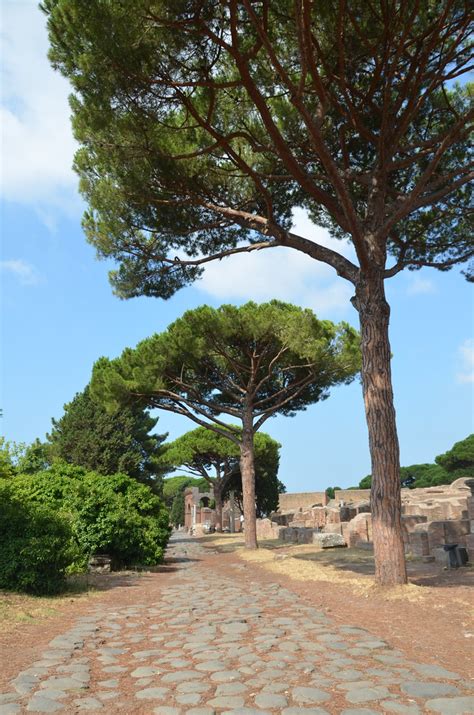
point(214, 644)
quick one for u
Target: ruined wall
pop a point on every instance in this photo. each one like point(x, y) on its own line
point(299, 500)
point(305, 500)
point(352, 495)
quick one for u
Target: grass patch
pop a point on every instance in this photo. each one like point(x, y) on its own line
point(17, 608)
point(351, 568)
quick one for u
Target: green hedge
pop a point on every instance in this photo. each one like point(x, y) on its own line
point(112, 514)
point(36, 545)
point(53, 521)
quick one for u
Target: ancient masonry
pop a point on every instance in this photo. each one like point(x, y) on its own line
point(198, 513)
point(431, 518)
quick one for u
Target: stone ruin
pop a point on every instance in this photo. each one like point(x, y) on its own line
point(199, 516)
point(431, 518)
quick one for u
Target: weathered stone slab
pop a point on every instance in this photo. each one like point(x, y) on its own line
point(328, 541)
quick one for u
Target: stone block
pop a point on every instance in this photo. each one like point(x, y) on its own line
point(412, 520)
point(328, 541)
point(333, 528)
point(455, 531)
point(436, 534)
point(289, 534)
point(304, 536)
point(100, 563)
point(440, 556)
point(419, 544)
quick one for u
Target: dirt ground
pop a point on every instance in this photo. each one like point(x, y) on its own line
point(430, 620)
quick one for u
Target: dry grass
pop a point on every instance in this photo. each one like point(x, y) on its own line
point(303, 563)
point(19, 608)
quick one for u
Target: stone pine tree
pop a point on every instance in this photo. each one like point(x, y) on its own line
point(245, 363)
point(203, 124)
point(88, 436)
point(214, 457)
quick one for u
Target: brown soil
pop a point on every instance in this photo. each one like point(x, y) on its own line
point(429, 624)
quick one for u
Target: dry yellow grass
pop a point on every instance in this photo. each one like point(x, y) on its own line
point(314, 570)
point(19, 608)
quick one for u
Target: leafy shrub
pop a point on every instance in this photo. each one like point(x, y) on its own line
point(109, 514)
point(121, 517)
point(36, 546)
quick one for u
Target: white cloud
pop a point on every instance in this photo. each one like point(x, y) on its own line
point(37, 141)
point(420, 286)
point(466, 358)
point(24, 272)
point(283, 273)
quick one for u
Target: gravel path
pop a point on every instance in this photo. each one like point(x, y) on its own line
point(213, 644)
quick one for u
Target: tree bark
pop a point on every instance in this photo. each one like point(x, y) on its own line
point(385, 498)
point(218, 500)
point(247, 470)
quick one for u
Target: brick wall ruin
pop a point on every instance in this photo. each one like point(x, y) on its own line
point(431, 517)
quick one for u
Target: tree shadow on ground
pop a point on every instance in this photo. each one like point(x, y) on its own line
point(359, 561)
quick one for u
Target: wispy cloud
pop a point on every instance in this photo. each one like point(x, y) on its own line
point(23, 271)
point(284, 274)
point(466, 359)
point(38, 145)
point(420, 286)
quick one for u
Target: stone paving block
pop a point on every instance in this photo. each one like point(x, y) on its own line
point(225, 676)
point(144, 671)
point(227, 701)
point(188, 699)
point(435, 671)
point(193, 686)
point(152, 693)
point(269, 700)
point(304, 695)
point(231, 689)
point(451, 706)
point(88, 704)
point(365, 694)
point(38, 704)
point(181, 675)
point(421, 689)
point(10, 708)
point(392, 706)
point(61, 683)
point(8, 697)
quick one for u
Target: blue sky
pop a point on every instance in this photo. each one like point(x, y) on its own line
point(59, 314)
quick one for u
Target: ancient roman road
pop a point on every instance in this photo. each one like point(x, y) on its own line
point(214, 644)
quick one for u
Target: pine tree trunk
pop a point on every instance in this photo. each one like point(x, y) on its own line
point(247, 470)
point(385, 499)
point(218, 508)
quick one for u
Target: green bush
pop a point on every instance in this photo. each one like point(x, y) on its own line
point(36, 546)
point(109, 514)
point(121, 517)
